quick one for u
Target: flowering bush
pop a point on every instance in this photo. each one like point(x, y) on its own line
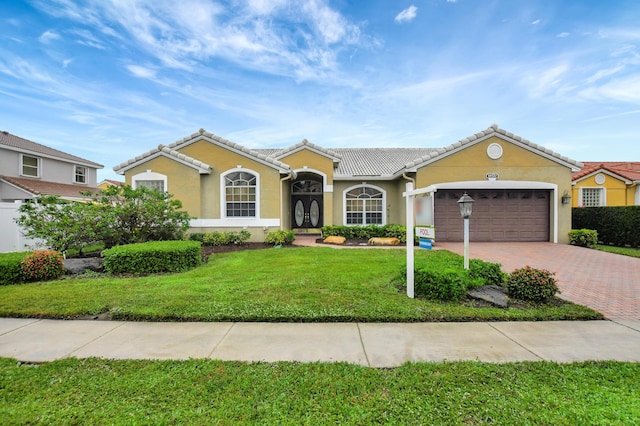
point(532, 284)
point(42, 265)
point(280, 237)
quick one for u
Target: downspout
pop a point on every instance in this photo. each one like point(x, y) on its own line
point(291, 175)
point(404, 175)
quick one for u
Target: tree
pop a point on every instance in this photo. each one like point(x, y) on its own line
point(114, 216)
point(60, 224)
point(126, 215)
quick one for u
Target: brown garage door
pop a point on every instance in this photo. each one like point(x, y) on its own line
point(498, 215)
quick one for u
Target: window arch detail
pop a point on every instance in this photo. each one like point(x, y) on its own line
point(240, 194)
point(151, 180)
point(364, 205)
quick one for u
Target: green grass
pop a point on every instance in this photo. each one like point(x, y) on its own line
point(205, 392)
point(290, 284)
point(626, 251)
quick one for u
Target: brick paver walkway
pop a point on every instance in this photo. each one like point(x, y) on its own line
point(606, 282)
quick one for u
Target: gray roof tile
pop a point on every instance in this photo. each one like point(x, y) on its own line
point(17, 143)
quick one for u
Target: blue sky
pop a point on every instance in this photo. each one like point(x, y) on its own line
point(110, 79)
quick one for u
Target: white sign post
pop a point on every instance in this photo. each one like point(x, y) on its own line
point(410, 195)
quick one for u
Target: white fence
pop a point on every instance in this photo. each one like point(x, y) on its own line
point(11, 237)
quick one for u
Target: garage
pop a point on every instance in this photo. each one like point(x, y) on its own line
point(498, 215)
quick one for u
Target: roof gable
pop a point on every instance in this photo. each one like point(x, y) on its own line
point(492, 131)
point(305, 144)
point(171, 151)
point(625, 171)
point(16, 143)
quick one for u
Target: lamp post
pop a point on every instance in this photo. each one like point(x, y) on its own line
point(466, 206)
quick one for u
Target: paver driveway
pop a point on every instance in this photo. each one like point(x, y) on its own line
point(606, 282)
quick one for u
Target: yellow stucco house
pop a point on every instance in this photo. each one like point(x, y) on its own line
point(517, 185)
point(607, 184)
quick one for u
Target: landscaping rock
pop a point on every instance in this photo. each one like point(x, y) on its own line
point(380, 241)
point(81, 265)
point(492, 294)
point(334, 239)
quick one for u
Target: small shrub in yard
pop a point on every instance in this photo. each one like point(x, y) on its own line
point(447, 285)
point(489, 272)
point(154, 257)
point(536, 285)
point(583, 237)
point(216, 238)
point(280, 237)
point(10, 271)
point(42, 265)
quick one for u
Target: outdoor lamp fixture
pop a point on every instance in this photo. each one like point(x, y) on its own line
point(566, 198)
point(466, 207)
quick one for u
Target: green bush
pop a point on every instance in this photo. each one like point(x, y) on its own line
point(583, 237)
point(536, 285)
point(153, 257)
point(617, 226)
point(217, 238)
point(196, 236)
point(10, 271)
point(447, 285)
point(366, 232)
point(489, 272)
point(42, 265)
point(280, 237)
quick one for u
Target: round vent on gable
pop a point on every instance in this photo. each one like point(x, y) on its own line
point(600, 178)
point(494, 151)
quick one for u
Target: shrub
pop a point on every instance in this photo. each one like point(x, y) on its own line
point(583, 237)
point(42, 265)
point(366, 232)
point(10, 270)
point(532, 284)
point(217, 238)
point(447, 285)
point(280, 237)
point(616, 226)
point(196, 236)
point(487, 271)
point(153, 257)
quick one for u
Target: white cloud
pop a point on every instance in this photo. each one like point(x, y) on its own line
point(140, 71)
point(541, 82)
point(536, 22)
point(563, 35)
point(66, 62)
point(406, 15)
point(48, 36)
point(622, 89)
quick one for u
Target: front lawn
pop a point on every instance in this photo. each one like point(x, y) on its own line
point(199, 392)
point(300, 284)
point(626, 251)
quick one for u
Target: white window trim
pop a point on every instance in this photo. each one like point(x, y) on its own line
point(325, 187)
point(86, 174)
point(603, 197)
point(223, 195)
point(344, 203)
point(149, 175)
point(38, 167)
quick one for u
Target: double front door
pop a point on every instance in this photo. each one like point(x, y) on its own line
point(307, 210)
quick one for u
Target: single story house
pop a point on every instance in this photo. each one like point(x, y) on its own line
point(517, 185)
point(607, 184)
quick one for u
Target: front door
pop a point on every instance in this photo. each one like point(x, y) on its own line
point(307, 210)
point(306, 201)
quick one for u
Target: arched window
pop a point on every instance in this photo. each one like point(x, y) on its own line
point(364, 205)
point(240, 194)
point(151, 180)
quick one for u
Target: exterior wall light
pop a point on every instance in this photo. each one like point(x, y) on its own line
point(566, 198)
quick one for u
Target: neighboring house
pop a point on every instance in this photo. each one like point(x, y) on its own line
point(28, 169)
point(109, 182)
point(607, 184)
point(517, 185)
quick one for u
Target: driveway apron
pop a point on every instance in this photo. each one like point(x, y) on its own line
point(606, 282)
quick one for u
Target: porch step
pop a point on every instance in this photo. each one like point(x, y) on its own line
point(307, 231)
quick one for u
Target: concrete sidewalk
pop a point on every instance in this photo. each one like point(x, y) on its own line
point(368, 344)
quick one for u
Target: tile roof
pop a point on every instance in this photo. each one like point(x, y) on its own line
point(165, 150)
point(376, 161)
point(493, 131)
point(306, 144)
point(628, 170)
point(40, 187)
point(17, 143)
point(201, 134)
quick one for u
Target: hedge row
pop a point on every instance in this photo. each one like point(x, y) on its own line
point(25, 266)
point(366, 232)
point(217, 238)
point(154, 257)
point(617, 226)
